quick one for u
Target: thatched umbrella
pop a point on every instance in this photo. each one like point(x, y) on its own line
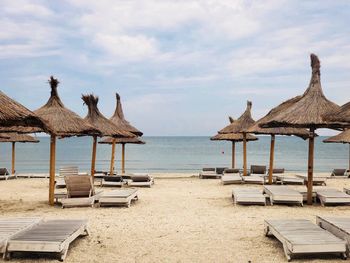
point(340, 116)
point(122, 141)
point(107, 128)
point(14, 117)
point(256, 129)
point(65, 123)
point(307, 111)
point(343, 137)
point(13, 138)
point(233, 138)
point(119, 120)
point(241, 125)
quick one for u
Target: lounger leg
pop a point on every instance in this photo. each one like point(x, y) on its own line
point(267, 231)
point(86, 232)
point(63, 254)
point(287, 252)
point(271, 201)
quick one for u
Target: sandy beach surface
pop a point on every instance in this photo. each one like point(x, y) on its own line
point(182, 219)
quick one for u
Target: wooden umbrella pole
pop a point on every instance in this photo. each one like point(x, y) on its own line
point(233, 154)
point(244, 154)
point(310, 167)
point(13, 157)
point(272, 154)
point(93, 158)
point(123, 158)
point(111, 168)
point(52, 169)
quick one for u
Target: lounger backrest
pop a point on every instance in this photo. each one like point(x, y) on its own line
point(79, 186)
point(257, 169)
point(277, 170)
point(112, 178)
point(220, 170)
point(3, 171)
point(140, 178)
point(231, 171)
point(208, 169)
point(339, 171)
point(68, 170)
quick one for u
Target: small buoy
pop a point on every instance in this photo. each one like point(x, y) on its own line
point(223, 152)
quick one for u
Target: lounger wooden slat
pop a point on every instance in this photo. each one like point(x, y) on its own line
point(52, 236)
point(12, 226)
point(332, 196)
point(289, 179)
point(300, 236)
point(283, 194)
point(248, 196)
point(231, 179)
point(317, 179)
point(253, 179)
point(338, 226)
point(120, 197)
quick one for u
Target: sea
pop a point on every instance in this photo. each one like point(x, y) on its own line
point(175, 154)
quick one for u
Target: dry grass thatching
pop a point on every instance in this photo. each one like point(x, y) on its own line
point(16, 137)
point(306, 111)
point(119, 120)
point(343, 137)
point(341, 116)
point(109, 140)
point(233, 137)
point(242, 123)
point(14, 117)
point(64, 121)
point(100, 122)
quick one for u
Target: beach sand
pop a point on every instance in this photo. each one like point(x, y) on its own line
point(177, 220)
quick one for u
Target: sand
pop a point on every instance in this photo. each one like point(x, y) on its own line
point(177, 220)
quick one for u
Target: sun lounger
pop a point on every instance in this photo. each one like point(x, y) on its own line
point(248, 196)
point(317, 179)
point(289, 179)
point(303, 190)
point(275, 172)
point(283, 194)
point(9, 227)
point(257, 169)
point(299, 236)
point(339, 173)
point(231, 176)
point(253, 179)
point(140, 180)
point(329, 196)
point(338, 226)
point(120, 197)
point(220, 170)
point(80, 191)
point(5, 175)
point(114, 180)
point(52, 236)
point(209, 173)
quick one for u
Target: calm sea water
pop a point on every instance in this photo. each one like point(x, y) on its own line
point(175, 154)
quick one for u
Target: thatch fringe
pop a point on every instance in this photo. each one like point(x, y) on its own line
point(16, 137)
point(233, 137)
point(100, 122)
point(109, 140)
point(343, 137)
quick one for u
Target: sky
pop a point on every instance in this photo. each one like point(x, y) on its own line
point(181, 67)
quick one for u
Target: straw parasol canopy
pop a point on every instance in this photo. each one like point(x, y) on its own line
point(343, 137)
point(241, 125)
point(109, 140)
point(14, 117)
point(340, 116)
point(234, 137)
point(107, 128)
point(306, 111)
point(64, 121)
point(13, 138)
point(119, 120)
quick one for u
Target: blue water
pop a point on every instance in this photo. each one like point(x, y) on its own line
point(175, 154)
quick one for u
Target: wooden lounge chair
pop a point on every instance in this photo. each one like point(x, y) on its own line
point(80, 191)
point(283, 194)
point(52, 236)
point(140, 180)
point(209, 173)
point(338, 226)
point(114, 180)
point(220, 170)
point(289, 179)
point(248, 196)
point(317, 179)
point(5, 175)
point(9, 227)
point(253, 179)
point(231, 176)
point(299, 236)
point(65, 171)
point(120, 197)
point(331, 196)
point(275, 173)
point(339, 173)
